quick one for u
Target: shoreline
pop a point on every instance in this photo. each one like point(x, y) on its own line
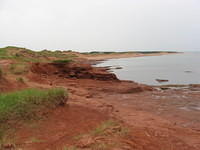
point(103, 57)
point(160, 118)
point(111, 69)
point(99, 58)
point(143, 108)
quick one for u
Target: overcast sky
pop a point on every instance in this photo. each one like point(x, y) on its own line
point(107, 25)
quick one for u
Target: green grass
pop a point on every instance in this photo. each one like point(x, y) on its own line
point(35, 140)
point(63, 61)
point(3, 53)
point(23, 104)
point(105, 125)
point(108, 131)
point(20, 79)
point(69, 148)
point(25, 55)
point(18, 69)
point(57, 54)
point(101, 130)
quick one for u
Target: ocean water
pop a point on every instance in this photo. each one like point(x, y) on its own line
point(182, 68)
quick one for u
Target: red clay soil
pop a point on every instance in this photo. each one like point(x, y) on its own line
point(157, 119)
point(60, 128)
point(7, 85)
point(72, 70)
point(4, 84)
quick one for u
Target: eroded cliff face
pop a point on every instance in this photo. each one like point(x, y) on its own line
point(4, 84)
point(9, 84)
point(72, 70)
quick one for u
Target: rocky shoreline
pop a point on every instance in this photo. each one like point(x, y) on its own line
point(151, 117)
point(162, 114)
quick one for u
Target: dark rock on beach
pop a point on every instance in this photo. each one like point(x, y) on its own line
point(162, 80)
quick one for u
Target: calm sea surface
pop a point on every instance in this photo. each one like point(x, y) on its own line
point(183, 68)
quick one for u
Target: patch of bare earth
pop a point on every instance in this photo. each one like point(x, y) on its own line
point(59, 128)
point(147, 119)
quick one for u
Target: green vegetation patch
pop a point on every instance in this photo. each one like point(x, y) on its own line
point(19, 69)
point(107, 128)
point(20, 80)
point(57, 54)
point(3, 53)
point(23, 104)
point(63, 61)
point(25, 55)
point(104, 126)
point(69, 148)
point(26, 105)
point(104, 137)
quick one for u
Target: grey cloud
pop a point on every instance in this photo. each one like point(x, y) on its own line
point(101, 24)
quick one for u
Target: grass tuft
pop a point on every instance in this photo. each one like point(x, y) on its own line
point(35, 140)
point(105, 136)
point(3, 52)
point(23, 104)
point(101, 129)
point(26, 105)
point(18, 69)
point(20, 79)
point(62, 61)
point(69, 148)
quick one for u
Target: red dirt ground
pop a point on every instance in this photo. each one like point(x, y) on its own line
point(157, 119)
point(59, 128)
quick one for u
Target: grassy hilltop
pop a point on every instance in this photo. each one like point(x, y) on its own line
point(27, 55)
